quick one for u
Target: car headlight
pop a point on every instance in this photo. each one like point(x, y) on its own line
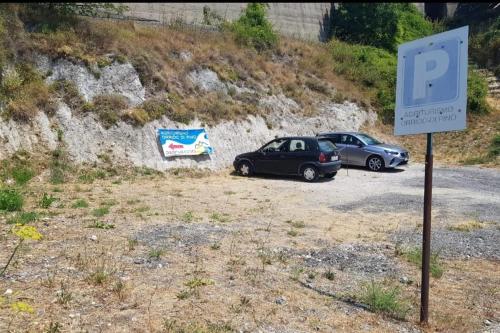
point(391, 152)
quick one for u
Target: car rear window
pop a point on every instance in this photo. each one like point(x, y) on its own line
point(326, 145)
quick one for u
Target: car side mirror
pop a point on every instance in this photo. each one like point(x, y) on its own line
point(360, 145)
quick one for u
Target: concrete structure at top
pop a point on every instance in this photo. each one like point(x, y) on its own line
point(307, 20)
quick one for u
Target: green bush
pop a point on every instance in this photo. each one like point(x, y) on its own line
point(108, 108)
point(24, 93)
point(494, 150)
point(371, 67)
point(68, 91)
point(477, 89)
point(384, 25)
point(253, 29)
point(10, 200)
point(46, 200)
point(384, 299)
point(22, 175)
point(23, 218)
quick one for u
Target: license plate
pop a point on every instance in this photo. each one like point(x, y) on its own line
point(335, 158)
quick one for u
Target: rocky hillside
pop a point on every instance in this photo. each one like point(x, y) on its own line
point(99, 89)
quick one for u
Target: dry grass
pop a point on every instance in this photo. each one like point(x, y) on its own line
point(302, 70)
point(467, 226)
point(231, 279)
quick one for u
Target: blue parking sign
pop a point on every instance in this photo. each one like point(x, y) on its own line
point(431, 92)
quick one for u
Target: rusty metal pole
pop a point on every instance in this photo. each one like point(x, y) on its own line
point(426, 234)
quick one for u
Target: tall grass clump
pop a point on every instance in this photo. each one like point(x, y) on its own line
point(414, 255)
point(10, 200)
point(383, 299)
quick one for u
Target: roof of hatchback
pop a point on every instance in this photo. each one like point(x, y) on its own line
point(297, 137)
point(324, 133)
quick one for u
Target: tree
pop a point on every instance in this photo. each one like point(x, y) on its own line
point(383, 25)
point(254, 29)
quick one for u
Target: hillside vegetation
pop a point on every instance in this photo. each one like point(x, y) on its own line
point(247, 53)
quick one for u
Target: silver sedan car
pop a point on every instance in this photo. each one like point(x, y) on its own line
point(363, 150)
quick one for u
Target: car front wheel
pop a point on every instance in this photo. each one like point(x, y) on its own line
point(330, 175)
point(375, 163)
point(310, 173)
point(245, 169)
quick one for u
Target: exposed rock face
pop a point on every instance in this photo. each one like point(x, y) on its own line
point(207, 80)
point(86, 138)
point(113, 79)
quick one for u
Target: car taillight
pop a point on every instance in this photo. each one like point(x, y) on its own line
point(322, 158)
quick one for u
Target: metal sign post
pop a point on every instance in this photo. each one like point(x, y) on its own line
point(431, 96)
point(426, 234)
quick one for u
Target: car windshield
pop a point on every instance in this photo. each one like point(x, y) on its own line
point(326, 146)
point(368, 139)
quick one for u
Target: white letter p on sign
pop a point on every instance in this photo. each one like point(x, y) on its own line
point(422, 75)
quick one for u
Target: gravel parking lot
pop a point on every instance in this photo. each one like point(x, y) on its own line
point(260, 254)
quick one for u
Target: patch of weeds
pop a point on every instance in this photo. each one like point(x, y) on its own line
point(119, 289)
point(116, 182)
point(109, 202)
point(296, 273)
point(329, 275)
point(188, 217)
point(54, 327)
point(156, 253)
point(298, 224)
point(265, 256)
point(142, 209)
point(311, 275)
point(108, 108)
point(23, 218)
point(88, 177)
point(101, 211)
point(198, 282)
point(184, 294)
point(132, 243)
point(64, 296)
point(80, 203)
point(11, 200)
point(101, 225)
point(47, 200)
point(22, 175)
point(172, 326)
point(57, 190)
point(229, 192)
point(414, 255)
point(382, 299)
point(133, 201)
point(58, 166)
point(215, 246)
point(98, 277)
point(292, 232)
point(466, 226)
point(217, 217)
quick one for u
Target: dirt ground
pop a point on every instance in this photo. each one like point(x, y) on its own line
point(222, 253)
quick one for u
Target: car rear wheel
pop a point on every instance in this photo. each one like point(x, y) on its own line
point(245, 169)
point(310, 173)
point(375, 163)
point(330, 175)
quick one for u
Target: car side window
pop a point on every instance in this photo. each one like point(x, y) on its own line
point(335, 138)
point(349, 140)
point(275, 146)
point(298, 145)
